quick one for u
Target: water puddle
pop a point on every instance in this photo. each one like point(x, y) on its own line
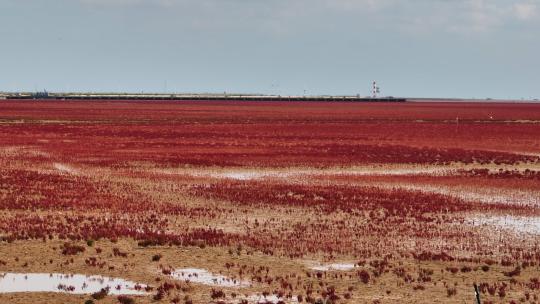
point(517, 224)
point(306, 174)
point(65, 168)
point(333, 267)
point(241, 175)
point(68, 283)
point(259, 299)
point(202, 276)
point(488, 196)
point(265, 173)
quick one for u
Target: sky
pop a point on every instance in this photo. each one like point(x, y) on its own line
point(412, 48)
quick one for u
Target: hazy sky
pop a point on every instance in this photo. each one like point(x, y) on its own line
point(435, 48)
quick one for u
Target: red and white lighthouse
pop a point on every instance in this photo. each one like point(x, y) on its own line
point(375, 90)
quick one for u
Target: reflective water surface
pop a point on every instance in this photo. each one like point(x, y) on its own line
point(202, 276)
point(68, 283)
point(336, 267)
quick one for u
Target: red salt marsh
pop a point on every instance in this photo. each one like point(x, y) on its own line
point(423, 199)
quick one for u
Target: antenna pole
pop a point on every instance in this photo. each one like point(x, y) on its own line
point(477, 293)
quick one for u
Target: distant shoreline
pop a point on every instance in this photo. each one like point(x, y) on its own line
point(201, 97)
point(239, 97)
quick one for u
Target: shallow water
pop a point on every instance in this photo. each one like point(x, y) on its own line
point(266, 173)
point(484, 195)
point(251, 175)
point(202, 276)
point(259, 299)
point(65, 168)
point(517, 224)
point(241, 175)
point(68, 283)
point(336, 267)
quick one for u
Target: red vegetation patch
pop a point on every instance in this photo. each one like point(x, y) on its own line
point(123, 195)
point(394, 203)
point(274, 134)
point(71, 249)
